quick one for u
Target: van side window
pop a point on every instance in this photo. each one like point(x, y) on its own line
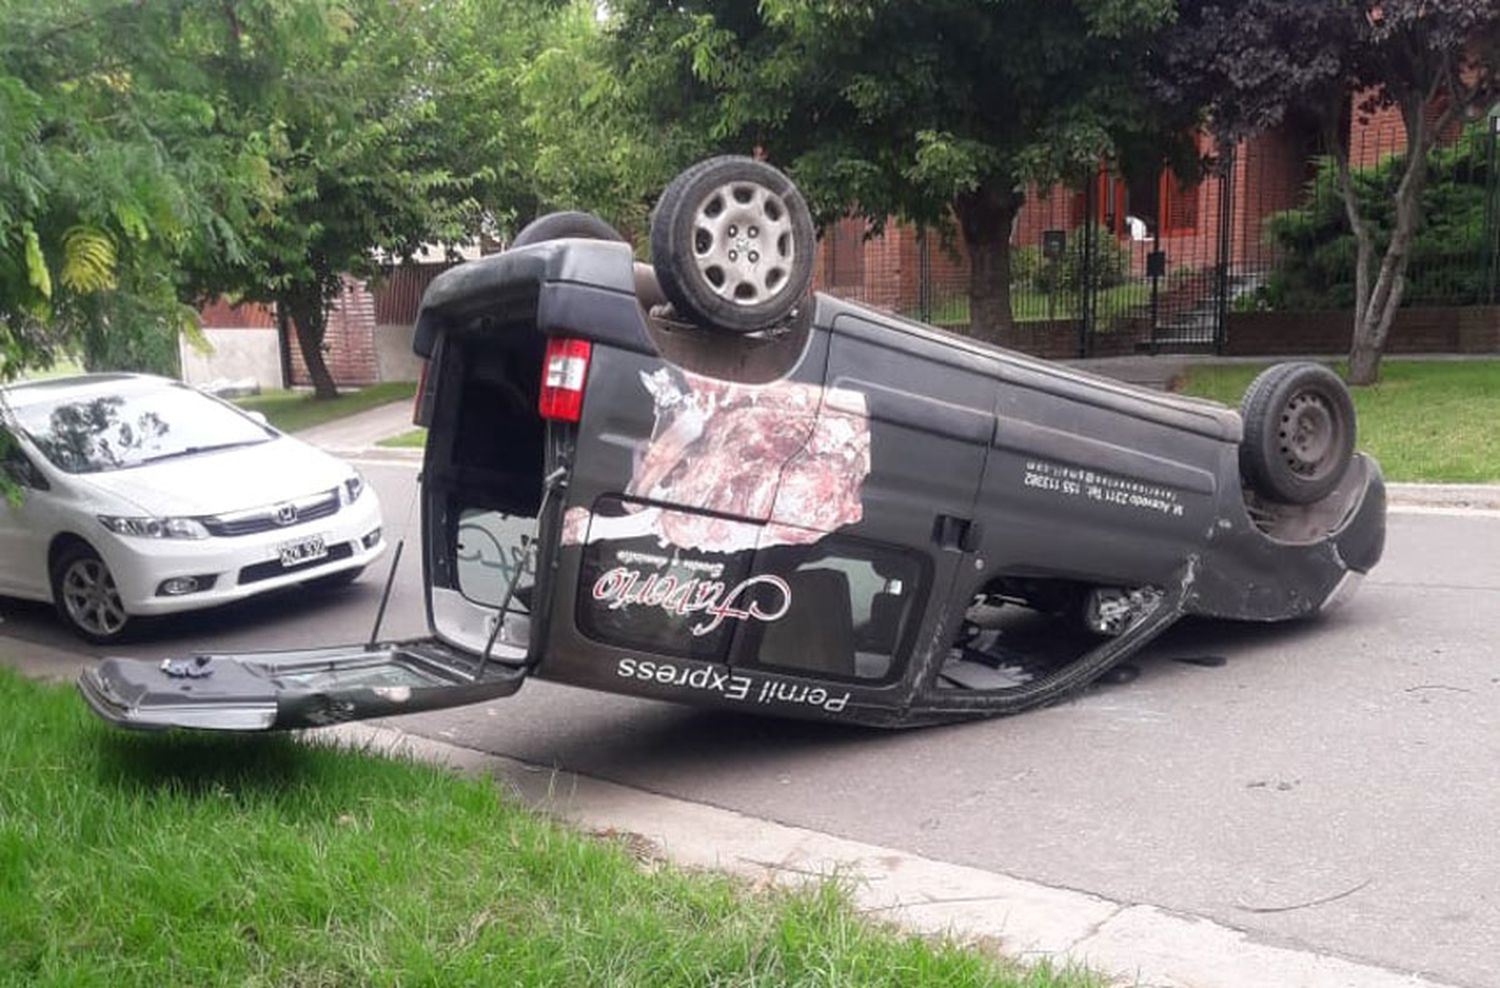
point(851, 604)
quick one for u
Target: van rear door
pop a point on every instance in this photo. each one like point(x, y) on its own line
point(262, 691)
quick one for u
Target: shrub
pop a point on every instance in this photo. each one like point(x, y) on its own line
point(1029, 269)
point(1449, 259)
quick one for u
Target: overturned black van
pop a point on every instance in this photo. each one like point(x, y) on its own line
point(698, 481)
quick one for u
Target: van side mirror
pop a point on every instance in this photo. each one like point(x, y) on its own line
point(259, 418)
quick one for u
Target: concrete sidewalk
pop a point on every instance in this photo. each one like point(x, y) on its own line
point(362, 430)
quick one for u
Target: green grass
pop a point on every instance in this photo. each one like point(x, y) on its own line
point(130, 859)
point(65, 367)
point(1030, 305)
point(415, 439)
point(1433, 421)
point(292, 411)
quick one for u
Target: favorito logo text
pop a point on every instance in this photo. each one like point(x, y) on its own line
point(625, 587)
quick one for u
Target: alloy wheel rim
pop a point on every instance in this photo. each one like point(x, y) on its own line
point(742, 243)
point(92, 599)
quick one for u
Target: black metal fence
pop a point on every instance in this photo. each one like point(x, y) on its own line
point(1137, 265)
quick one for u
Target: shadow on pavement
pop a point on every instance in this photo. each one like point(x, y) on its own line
point(662, 745)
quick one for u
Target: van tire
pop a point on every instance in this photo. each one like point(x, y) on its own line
point(562, 225)
point(1299, 433)
point(732, 243)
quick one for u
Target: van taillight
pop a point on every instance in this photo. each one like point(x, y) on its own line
point(564, 370)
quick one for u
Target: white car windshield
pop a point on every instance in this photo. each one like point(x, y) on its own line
point(112, 430)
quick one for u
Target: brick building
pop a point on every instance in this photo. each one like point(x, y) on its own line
point(1193, 227)
point(1268, 175)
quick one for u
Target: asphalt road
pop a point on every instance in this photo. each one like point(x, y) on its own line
point(1331, 785)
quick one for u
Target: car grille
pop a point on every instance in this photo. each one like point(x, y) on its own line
point(268, 518)
point(273, 568)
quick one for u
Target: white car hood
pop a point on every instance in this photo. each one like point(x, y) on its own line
point(227, 480)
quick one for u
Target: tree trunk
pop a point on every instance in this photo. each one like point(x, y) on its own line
point(986, 217)
point(1364, 360)
point(1379, 310)
point(310, 318)
point(1375, 306)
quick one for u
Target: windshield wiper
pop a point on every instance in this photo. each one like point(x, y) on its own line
point(194, 450)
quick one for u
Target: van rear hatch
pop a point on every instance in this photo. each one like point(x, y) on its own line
point(291, 689)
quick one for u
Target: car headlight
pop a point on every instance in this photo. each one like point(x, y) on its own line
point(155, 528)
point(352, 488)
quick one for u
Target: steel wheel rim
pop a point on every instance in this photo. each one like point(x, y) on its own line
point(1309, 433)
point(91, 597)
point(743, 245)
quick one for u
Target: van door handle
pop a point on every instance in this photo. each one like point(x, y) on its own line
point(957, 534)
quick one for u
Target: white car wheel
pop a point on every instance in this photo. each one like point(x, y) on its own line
point(87, 596)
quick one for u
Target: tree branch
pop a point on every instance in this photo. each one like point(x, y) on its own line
point(1364, 242)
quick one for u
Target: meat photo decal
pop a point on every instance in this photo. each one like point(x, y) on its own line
point(790, 458)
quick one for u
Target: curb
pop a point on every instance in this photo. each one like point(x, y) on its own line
point(1457, 497)
point(1134, 943)
point(378, 454)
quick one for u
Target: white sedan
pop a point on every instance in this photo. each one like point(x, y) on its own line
point(133, 496)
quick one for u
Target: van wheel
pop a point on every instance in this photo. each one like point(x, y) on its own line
point(732, 244)
point(1299, 433)
point(558, 226)
point(86, 596)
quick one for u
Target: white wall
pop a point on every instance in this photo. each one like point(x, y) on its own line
point(236, 354)
point(394, 359)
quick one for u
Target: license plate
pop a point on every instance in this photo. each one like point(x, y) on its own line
point(302, 551)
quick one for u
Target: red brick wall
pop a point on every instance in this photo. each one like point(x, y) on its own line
point(219, 314)
point(1270, 175)
point(1473, 329)
point(1375, 136)
point(892, 269)
point(398, 292)
point(349, 343)
point(1057, 208)
point(1381, 132)
point(888, 272)
point(841, 257)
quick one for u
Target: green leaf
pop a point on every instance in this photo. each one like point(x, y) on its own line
point(131, 219)
point(37, 274)
point(88, 260)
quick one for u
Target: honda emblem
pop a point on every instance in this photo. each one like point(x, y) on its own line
point(286, 514)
